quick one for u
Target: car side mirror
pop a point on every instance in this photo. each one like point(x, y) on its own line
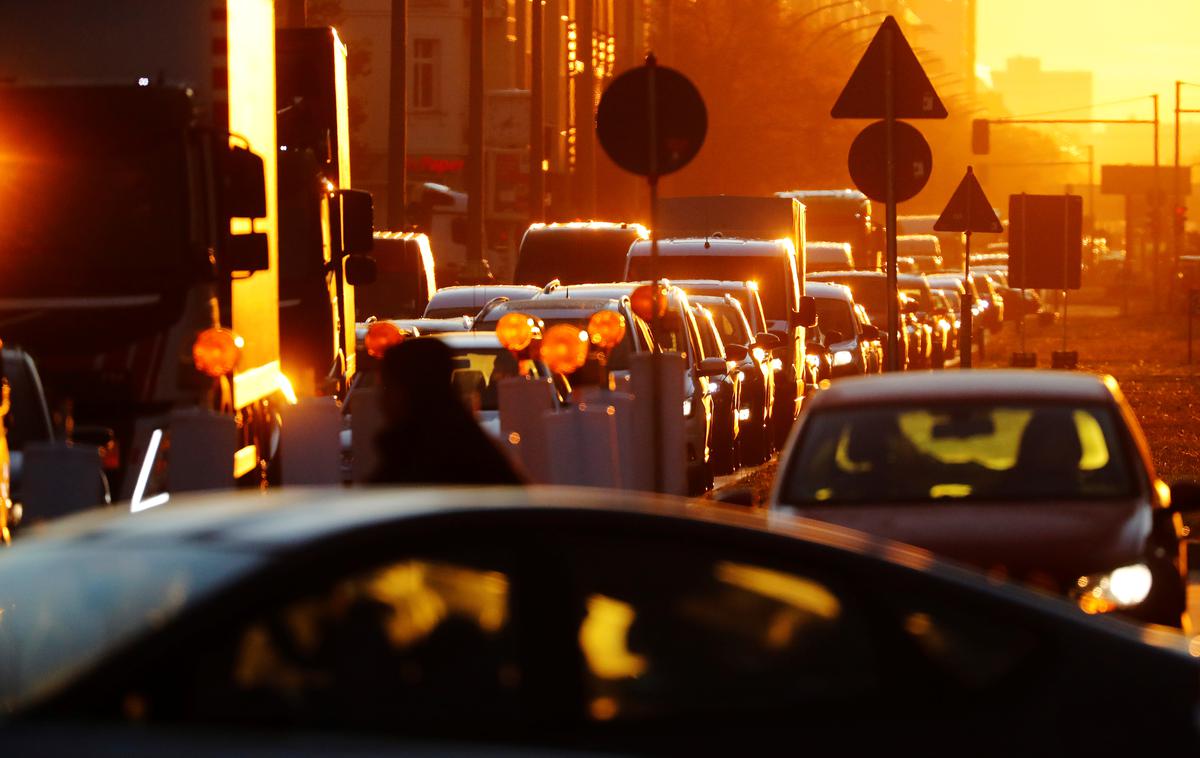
point(247, 252)
point(870, 332)
point(713, 367)
point(358, 221)
point(361, 270)
point(767, 341)
point(245, 186)
point(1185, 497)
point(736, 352)
point(739, 496)
point(912, 307)
point(806, 316)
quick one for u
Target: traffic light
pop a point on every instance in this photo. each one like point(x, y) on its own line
point(1180, 218)
point(981, 136)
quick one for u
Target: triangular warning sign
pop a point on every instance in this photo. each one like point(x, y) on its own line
point(969, 210)
point(864, 96)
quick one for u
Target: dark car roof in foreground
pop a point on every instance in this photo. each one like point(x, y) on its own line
point(977, 385)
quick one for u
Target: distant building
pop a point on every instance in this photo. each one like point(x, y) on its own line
point(1027, 88)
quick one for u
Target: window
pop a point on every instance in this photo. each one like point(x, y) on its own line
point(952, 453)
point(411, 644)
point(671, 630)
point(425, 54)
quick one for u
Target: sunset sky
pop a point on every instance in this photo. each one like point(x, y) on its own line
point(1134, 48)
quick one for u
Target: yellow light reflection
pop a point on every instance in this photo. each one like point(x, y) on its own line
point(802, 594)
point(603, 637)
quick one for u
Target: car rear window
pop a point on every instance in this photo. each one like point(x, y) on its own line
point(956, 453)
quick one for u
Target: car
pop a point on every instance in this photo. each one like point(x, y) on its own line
point(935, 331)
point(405, 278)
point(924, 249)
point(1044, 476)
point(577, 311)
point(849, 341)
point(726, 390)
point(993, 317)
point(467, 300)
point(869, 289)
point(776, 268)
point(575, 252)
point(945, 308)
point(962, 286)
point(675, 332)
point(533, 621)
point(828, 256)
point(758, 382)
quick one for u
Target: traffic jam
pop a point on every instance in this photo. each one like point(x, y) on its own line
point(296, 463)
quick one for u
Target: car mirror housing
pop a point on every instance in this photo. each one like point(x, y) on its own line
point(767, 341)
point(1185, 497)
point(736, 352)
point(713, 366)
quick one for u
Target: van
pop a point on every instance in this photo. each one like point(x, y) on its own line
point(580, 252)
point(405, 280)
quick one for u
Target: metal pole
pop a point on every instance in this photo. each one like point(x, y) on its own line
point(656, 364)
point(967, 317)
point(1176, 199)
point(475, 157)
point(889, 96)
point(537, 114)
point(1156, 220)
point(397, 207)
point(1066, 266)
point(1092, 186)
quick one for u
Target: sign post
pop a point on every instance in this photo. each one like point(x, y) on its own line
point(968, 211)
point(890, 84)
point(652, 121)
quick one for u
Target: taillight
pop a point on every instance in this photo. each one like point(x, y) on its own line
point(382, 335)
point(216, 351)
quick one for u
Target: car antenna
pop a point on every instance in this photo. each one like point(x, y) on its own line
point(707, 244)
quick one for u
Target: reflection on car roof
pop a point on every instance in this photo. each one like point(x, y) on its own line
point(980, 385)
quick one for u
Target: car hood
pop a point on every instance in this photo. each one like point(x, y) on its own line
point(1064, 539)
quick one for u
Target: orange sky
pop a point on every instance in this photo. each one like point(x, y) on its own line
point(1134, 47)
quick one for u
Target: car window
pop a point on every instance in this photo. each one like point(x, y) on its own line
point(671, 629)
point(731, 323)
point(415, 641)
point(953, 453)
point(709, 339)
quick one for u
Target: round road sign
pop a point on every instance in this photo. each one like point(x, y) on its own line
point(868, 161)
point(623, 120)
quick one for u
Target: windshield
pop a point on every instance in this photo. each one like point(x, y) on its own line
point(771, 273)
point(63, 610)
point(835, 316)
point(578, 256)
point(731, 323)
point(91, 191)
point(869, 291)
point(953, 453)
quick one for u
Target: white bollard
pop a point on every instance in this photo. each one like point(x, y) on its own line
point(523, 433)
point(583, 447)
point(201, 452)
point(366, 422)
point(310, 448)
point(673, 454)
point(58, 479)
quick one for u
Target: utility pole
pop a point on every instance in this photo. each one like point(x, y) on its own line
point(1176, 200)
point(397, 210)
point(1156, 216)
point(475, 158)
point(537, 113)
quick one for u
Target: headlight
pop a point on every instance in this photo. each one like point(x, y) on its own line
point(687, 407)
point(743, 414)
point(843, 358)
point(759, 354)
point(1124, 587)
point(713, 387)
point(776, 364)
point(813, 360)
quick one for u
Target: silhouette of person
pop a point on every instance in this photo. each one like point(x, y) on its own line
point(429, 437)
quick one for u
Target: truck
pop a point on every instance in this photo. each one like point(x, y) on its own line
point(325, 226)
point(139, 254)
point(842, 215)
point(778, 269)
